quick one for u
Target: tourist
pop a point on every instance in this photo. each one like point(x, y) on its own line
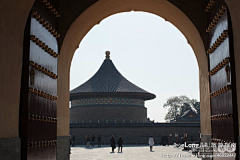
point(151, 143)
point(99, 141)
point(88, 141)
point(70, 145)
point(73, 141)
point(120, 143)
point(93, 140)
point(113, 143)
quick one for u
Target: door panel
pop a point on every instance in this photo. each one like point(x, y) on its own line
point(38, 117)
point(224, 117)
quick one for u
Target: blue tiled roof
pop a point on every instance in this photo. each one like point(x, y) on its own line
point(189, 112)
point(109, 80)
point(195, 118)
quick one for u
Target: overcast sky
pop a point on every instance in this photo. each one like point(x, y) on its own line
point(147, 50)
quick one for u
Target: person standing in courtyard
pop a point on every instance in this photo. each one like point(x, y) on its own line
point(99, 141)
point(88, 141)
point(70, 145)
point(113, 143)
point(151, 143)
point(73, 141)
point(93, 140)
point(120, 143)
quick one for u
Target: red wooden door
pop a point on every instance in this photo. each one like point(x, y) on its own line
point(38, 122)
point(224, 115)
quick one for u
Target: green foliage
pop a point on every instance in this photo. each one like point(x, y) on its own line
point(178, 105)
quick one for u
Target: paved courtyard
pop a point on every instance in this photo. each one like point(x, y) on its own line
point(131, 152)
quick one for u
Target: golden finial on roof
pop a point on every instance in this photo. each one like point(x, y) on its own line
point(107, 54)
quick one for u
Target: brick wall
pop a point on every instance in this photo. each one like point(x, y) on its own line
point(136, 135)
point(108, 112)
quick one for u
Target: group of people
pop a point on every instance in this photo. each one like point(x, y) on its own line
point(92, 139)
point(119, 142)
point(113, 143)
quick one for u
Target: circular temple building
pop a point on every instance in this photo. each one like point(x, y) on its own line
point(108, 97)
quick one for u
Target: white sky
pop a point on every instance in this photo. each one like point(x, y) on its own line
point(148, 51)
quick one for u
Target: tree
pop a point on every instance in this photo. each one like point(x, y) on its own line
point(178, 105)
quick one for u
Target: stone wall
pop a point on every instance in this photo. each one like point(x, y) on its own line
point(10, 148)
point(63, 147)
point(135, 133)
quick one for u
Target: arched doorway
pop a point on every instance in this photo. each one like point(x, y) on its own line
point(93, 15)
point(12, 50)
point(98, 12)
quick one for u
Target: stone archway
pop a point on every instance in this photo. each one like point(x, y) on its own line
point(102, 9)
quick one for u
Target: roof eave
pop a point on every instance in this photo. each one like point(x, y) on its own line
point(144, 96)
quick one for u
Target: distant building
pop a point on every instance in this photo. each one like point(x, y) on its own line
point(108, 104)
point(108, 97)
point(187, 117)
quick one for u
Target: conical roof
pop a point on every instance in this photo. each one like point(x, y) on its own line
point(109, 81)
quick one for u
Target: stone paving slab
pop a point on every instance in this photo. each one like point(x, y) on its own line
point(131, 153)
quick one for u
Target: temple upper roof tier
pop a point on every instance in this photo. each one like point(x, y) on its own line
point(108, 81)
